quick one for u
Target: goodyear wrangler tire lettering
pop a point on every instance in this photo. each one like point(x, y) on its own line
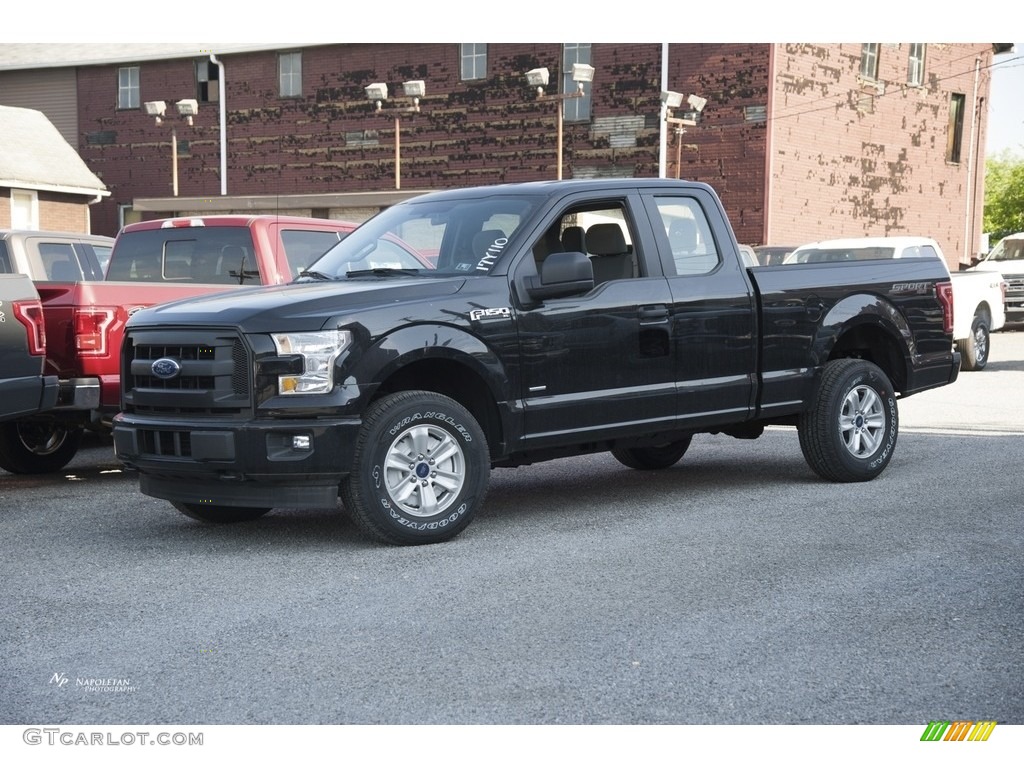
point(420, 469)
point(848, 433)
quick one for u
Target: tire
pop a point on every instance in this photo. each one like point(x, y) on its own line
point(218, 513)
point(395, 492)
point(30, 447)
point(849, 433)
point(653, 457)
point(974, 349)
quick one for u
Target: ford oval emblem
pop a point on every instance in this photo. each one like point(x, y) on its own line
point(166, 368)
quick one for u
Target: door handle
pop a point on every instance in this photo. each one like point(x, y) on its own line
point(654, 314)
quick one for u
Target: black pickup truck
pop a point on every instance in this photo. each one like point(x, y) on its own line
point(559, 318)
point(24, 389)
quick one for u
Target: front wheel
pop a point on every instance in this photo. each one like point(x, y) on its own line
point(849, 432)
point(420, 469)
point(974, 349)
point(218, 513)
point(652, 457)
point(37, 447)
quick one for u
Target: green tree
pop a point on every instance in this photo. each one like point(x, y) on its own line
point(1004, 195)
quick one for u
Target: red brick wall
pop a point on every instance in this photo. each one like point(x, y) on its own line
point(724, 149)
point(833, 170)
point(852, 158)
point(467, 132)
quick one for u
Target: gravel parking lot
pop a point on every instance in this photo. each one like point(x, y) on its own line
point(734, 588)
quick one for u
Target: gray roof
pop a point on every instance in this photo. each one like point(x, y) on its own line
point(34, 155)
point(15, 56)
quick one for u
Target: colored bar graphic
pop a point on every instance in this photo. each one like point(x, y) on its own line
point(982, 730)
point(958, 730)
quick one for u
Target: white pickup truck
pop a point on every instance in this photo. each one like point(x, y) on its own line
point(979, 297)
point(1007, 258)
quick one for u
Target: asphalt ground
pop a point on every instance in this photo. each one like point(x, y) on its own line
point(734, 588)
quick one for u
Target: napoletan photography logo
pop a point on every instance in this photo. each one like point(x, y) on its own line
point(958, 730)
point(94, 684)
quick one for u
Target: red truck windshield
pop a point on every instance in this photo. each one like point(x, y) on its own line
point(185, 255)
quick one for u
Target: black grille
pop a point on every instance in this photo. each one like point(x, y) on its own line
point(213, 377)
point(165, 442)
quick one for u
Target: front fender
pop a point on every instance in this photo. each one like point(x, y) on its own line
point(387, 355)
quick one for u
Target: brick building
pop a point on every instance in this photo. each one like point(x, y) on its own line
point(802, 141)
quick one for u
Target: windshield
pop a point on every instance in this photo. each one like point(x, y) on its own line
point(1008, 249)
point(428, 237)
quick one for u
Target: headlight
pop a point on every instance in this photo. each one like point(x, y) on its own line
point(319, 350)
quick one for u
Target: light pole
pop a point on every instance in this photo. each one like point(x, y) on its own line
point(378, 93)
point(538, 78)
point(673, 100)
point(187, 108)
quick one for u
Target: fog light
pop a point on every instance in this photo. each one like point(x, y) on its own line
point(302, 442)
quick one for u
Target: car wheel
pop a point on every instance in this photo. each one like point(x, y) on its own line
point(420, 469)
point(974, 349)
point(36, 447)
point(218, 513)
point(849, 432)
point(653, 457)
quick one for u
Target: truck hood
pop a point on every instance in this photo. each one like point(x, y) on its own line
point(295, 306)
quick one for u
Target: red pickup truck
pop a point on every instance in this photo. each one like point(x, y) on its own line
point(152, 262)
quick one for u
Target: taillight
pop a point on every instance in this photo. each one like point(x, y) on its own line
point(944, 291)
point(30, 314)
point(91, 326)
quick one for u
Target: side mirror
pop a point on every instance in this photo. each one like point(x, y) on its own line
point(562, 274)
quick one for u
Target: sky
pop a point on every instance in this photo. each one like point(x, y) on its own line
point(1006, 105)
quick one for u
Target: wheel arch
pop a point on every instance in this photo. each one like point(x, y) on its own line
point(868, 328)
point(452, 363)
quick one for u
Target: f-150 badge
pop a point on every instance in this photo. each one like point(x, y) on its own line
point(482, 314)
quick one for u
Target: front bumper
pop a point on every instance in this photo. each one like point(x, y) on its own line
point(266, 463)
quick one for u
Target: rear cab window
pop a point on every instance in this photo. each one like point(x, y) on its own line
point(217, 255)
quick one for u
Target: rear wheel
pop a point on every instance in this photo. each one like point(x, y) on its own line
point(652, 457)
point(849, 432)
point(218, 513)
point(974, 349)
point(420, 469)
point(34, 447)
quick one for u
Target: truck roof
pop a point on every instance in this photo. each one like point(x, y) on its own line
point(557, 187)
point(234, 220)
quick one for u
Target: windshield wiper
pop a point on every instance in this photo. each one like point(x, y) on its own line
point(382, 272)
point(315, 275)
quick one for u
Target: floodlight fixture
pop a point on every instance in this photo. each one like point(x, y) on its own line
point(582, 73)
point(377, 92)
point(538, 77)
point(156, 109)
point(414, 88)
point(672, 99)
point(696, 103)
point(188, 107)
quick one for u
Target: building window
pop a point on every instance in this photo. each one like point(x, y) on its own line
point(128, 88)
point(915, 64)
point(289, 70)
point(24, 209)
point(576, 110)
point(869, 61)
point(126, 214)
point(954, 138)
point(207, 81)
point(473, 57)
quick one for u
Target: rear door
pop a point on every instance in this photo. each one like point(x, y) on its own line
point(712, 307)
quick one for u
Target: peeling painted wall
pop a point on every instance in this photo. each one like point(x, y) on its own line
point(854, 157)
